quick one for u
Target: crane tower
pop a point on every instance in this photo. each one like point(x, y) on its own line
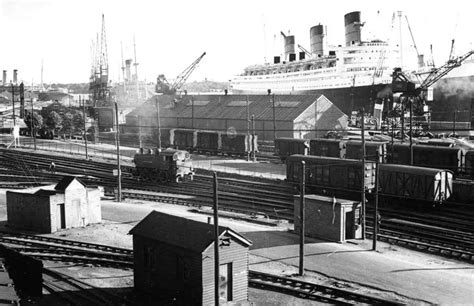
point(99, 89)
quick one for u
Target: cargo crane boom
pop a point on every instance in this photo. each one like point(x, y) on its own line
point(181, 79)
point(164, 87)
point(401, 83)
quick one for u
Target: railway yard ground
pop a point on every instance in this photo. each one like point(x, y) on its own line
point(393, 272)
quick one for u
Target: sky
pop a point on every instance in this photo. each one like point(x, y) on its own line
point(170, 35)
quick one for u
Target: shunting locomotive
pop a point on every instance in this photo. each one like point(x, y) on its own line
point(168, 165)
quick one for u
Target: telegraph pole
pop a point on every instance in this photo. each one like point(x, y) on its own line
point(33, 125)
point(159, 124)
point(274, 119)
point(363, 173)
point(216, 242)
point(376, 208)
point(85, 131)
point(302, 218)
point(117, 135)
point(250, 142)
point(411, 132)
point(13, 102)
point(253, 137)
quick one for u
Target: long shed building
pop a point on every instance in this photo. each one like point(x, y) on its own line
point(279, 115)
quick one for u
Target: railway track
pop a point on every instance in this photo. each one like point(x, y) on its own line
point(312, 291)
point(75, 292)
point(272, 199)
point(72, 291)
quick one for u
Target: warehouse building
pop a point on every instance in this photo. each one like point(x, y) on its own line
point(69, 204)
point(174, 257)
point(286, 116)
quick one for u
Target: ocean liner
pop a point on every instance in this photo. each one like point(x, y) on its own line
point(352, 76)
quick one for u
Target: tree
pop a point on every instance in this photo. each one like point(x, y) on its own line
point(35, 121)
point(67, 124)
point(78, 120)
point(53, 121)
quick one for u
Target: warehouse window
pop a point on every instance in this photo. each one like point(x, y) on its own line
point(198, 103)
point(286, 103)
point(238, 103)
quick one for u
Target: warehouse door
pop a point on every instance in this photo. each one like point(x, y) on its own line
point(61, 216)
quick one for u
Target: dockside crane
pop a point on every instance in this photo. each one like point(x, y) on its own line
point(99, 88)
point(401, 83)
point(164, 87)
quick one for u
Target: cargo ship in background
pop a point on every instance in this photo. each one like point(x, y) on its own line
point(352, 76)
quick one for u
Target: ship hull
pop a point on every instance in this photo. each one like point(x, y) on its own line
point(453, 102)
point(347, 99)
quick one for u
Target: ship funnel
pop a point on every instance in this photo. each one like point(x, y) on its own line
point(15, 76)
point(352, 24)
point(317, 39)
point(421, 61)
point(4, 77)
point(289, 45)
point(128, 72)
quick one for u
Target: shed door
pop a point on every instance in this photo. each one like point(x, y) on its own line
point(61, 216)
point(225, 282)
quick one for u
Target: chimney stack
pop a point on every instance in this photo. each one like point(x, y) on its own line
point(4, 77)
point(15, 76)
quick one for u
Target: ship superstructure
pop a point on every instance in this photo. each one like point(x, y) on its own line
point(351, 76)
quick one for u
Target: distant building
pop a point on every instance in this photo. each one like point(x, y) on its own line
point(174, 257)
point(297, 116)
point(70, 204)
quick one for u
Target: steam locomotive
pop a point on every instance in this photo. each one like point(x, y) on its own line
point(168, 165)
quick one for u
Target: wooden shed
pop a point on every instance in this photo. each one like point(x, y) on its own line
point(70, 204)
point(174, 258)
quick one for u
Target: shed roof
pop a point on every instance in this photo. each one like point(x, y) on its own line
point(181, 232)
point(65, 182)
point(287, 107)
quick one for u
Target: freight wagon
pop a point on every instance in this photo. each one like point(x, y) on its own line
point(286, 146)
point(373, 150)
point(238, 144)
point(410, 183)
point(208, 142)
point(428, 156)
point(469, 164)
point(327, 147)
point(331, 176)
point(183, 139)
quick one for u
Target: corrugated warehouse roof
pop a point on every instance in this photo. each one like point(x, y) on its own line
point(287, 107)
